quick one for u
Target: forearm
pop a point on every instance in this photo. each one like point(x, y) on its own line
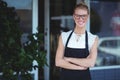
point(85, 62)
point(65, 64)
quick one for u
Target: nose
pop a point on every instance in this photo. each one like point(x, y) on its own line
point(80, 18)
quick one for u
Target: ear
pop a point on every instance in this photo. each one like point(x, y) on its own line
point(87, 17)
point(73, 17)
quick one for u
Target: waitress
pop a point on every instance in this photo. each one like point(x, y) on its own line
point(77, 49)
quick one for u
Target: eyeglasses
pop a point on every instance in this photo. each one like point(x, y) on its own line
point(77, 16)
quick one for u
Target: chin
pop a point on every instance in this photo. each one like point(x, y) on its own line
point(81, 26)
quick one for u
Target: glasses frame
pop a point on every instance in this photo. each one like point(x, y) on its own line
point(83, 16)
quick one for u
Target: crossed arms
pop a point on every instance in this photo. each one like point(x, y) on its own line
point(75, 63)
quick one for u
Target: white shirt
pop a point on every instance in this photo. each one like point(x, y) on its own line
point(81, 42)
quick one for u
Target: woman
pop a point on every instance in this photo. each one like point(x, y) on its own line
point(77, 49)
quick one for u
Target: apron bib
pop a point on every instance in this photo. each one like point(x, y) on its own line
point(67, 74)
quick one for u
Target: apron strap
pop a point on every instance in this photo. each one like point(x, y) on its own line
point(68, 38)
point(86, 38)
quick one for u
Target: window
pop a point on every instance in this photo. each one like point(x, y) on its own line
point(105, 22)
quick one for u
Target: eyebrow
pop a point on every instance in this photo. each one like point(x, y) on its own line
point(81, 14)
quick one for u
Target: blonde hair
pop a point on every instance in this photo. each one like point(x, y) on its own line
point(81, 5)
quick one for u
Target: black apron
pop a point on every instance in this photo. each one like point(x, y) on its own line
point(67, 74)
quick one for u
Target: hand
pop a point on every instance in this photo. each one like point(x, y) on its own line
point(82, 68)
point(68, 59)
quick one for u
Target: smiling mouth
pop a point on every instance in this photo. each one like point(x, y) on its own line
point(81, 22)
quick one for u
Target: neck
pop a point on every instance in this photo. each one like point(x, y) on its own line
point(79, 30)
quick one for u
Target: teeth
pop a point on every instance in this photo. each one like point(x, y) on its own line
point(80, 22)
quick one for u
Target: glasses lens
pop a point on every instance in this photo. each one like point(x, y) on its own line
point(77, 16)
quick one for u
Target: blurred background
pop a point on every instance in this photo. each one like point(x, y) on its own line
point(55, 16)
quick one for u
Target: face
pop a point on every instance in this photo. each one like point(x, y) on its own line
point(80, 17)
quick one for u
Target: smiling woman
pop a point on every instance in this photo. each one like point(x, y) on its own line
point(76, 55)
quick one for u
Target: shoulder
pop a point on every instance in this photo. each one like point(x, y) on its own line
point(90, 35)
point(92, 38)
point(66, 33)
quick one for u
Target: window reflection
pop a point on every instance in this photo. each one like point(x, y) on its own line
point(24, 11)
point(105, 22)
point(115, 20)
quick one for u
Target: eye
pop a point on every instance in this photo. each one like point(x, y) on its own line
point(77, 16)
point(83, 16)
